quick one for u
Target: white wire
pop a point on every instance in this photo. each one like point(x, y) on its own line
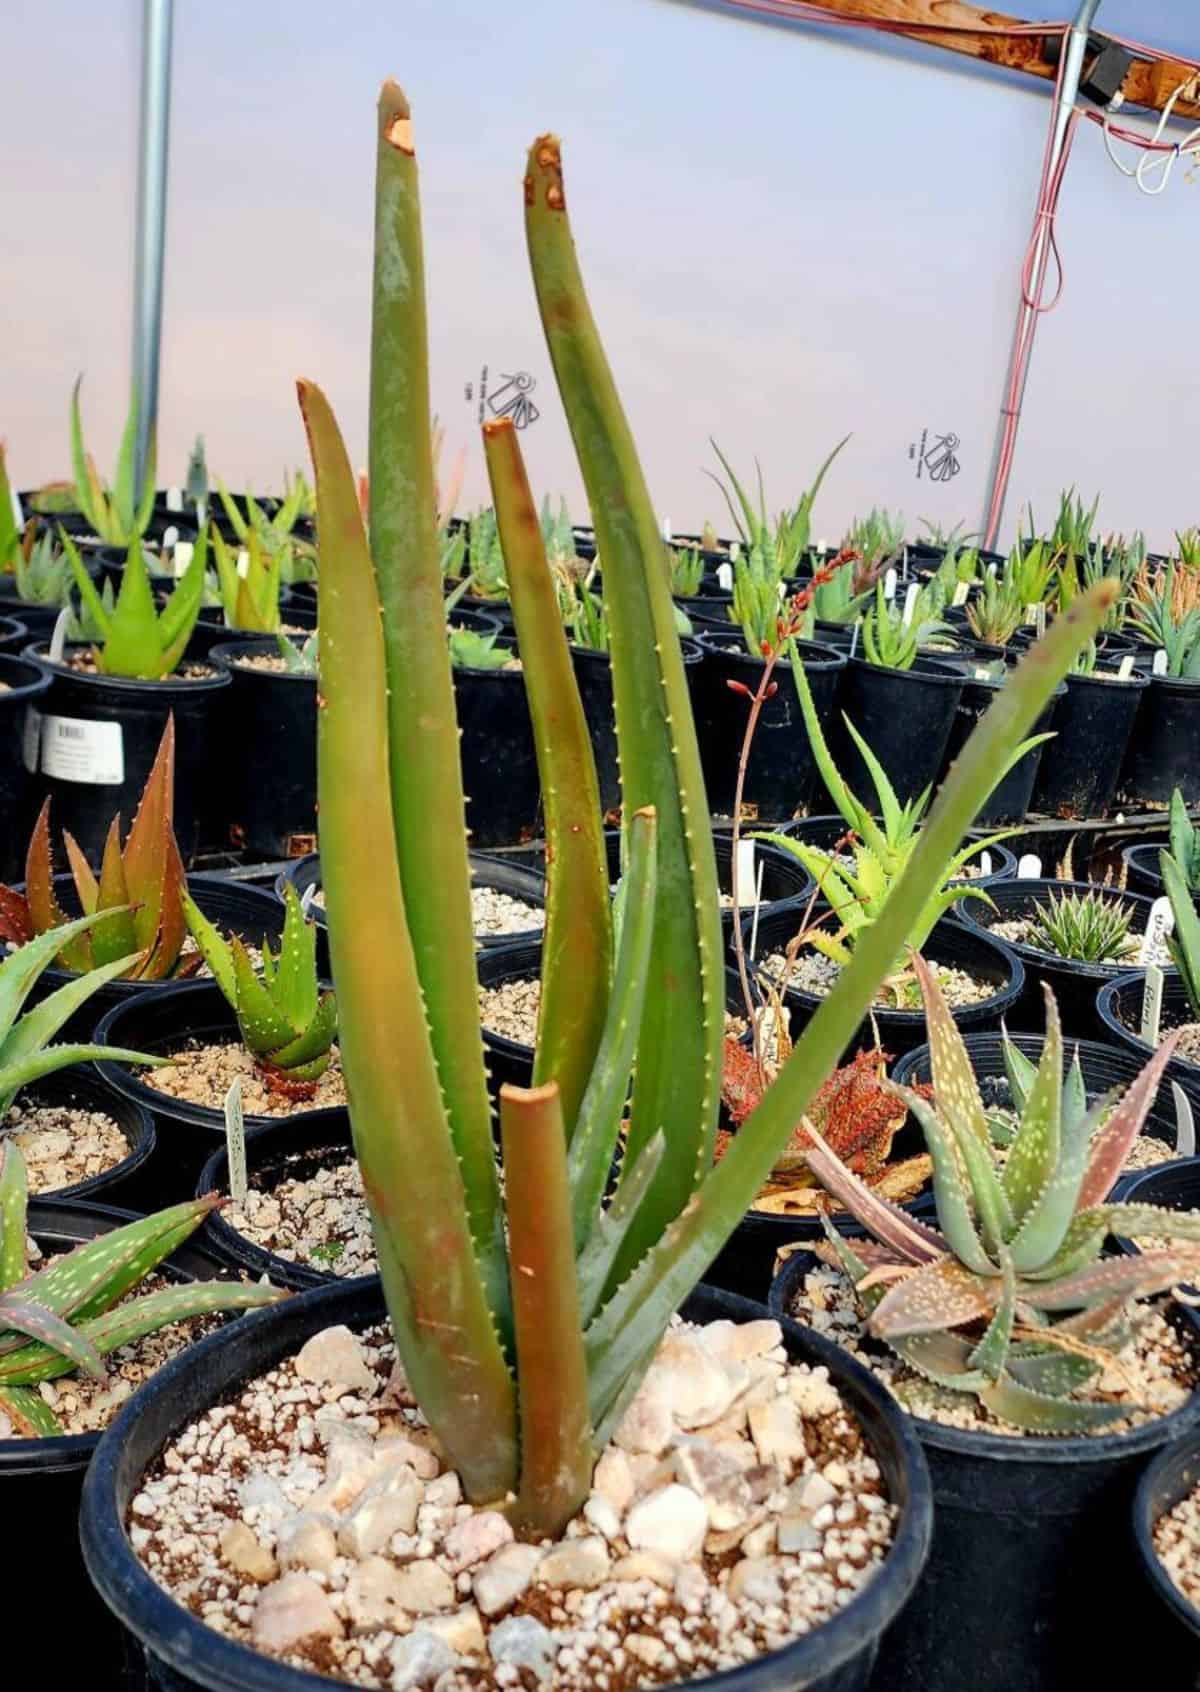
point(1163, 161)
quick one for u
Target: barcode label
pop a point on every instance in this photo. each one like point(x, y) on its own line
point(75, 749)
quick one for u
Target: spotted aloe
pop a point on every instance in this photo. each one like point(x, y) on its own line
point(140, 887)
point(285, 1019)
point(1009, 1297)
point(525, 1322)
point(75, 1311)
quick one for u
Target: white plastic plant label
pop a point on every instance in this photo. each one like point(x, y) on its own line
point(1159, 665)
point(854, 638)
point(235, 1142)
point(890, 579)
point(307, 897)
point(910, 603)
point(666, 530)
point(243, 563)
point(174, 499)
point(982, 674)
point(744, 872)
point(181, 558)
point(725, 577)
point(58, 636)
point(18, 509)
point(1185, 1123)
point(1159, 924)
point(31, 740)
point(170, 537)
point(76, 749)
point(1125, 667)
point(1029, 868)
point(735, 551)
point(1152, 993)
point(821, 549)
point(201, 511)
point(985, 863)
point(960, 593)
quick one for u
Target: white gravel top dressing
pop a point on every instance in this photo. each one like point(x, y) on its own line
point(311, 1516)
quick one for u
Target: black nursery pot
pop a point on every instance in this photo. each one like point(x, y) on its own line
point(26, 685)
point(1009, 800)
point(159, 1022)
point(81, 1088)
point(1119, 1009)
point(593, 677)
point(494, 872)
point(183, 1654)
point(1031, 1551)
point(234, 906)
point(1103, 1068)
point(41, 1481)
point(1142, 871)
point(270, 738)
point(97, 751)
point(14, 635)
point(906, 717)
point(498, 756)
point(781, 776)
point(1074, 984)
point(284, 1151)
point(1164, 754)
point(900, 1030)
point(1168, 1480)
point(1092, 725)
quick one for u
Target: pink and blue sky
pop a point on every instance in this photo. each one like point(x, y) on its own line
point(787, 236)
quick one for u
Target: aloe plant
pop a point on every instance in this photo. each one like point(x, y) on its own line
point(1184, 842)
point(1084, 927)
point(1008, 1298)
point(300, 658)
point(74, 1312)
point(877, 538)
point(1166, 612)
point(10, 534)
point(485, 557)
point(687, 570)
point(1184, 942)
point(997, 612)
point(136, 639)
point(884, 839)
point(892, 641)
point(139, 888)
point(471, 650)
point(250, 518)
point(119, 514)
point(41, 572)
point(286, 1021)
point(525, 1325)
point(248, 584)
point(776, 546)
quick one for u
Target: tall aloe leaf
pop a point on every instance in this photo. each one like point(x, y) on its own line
point(578, 908)
point(422, 729)
point(14, 1192)
point(677, 1086)
point(420, 1205)
point(618, 1337)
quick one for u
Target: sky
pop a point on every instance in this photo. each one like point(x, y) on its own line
point(787, 236)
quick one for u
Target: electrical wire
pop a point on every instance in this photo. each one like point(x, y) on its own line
point(1158, 155)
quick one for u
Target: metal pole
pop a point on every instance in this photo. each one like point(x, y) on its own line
point(157, 24)
point(1075, 48)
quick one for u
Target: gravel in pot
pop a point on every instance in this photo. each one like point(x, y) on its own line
point(79, 1139)
point(508, 903)
point(1119, 1009)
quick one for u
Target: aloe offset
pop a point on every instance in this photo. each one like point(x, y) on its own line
point(134, 638)
point(523, 1345)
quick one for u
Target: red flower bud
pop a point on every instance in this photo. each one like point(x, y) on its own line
point(739, 687)
point(772, 689)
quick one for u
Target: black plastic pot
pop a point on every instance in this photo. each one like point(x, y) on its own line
point(825, 832)
point(1142, 871)
point(900, 1030)
point(1103, 1067)
point(1009, 800)
point(781, 776)
point(1168, 1480)
point(184, 1654)
point(26, 685)
point(498, 755)
point(14, 636)
point(270, 741)
point(41, 1481)
point(38, 620)
point(1031, 1554)
point(1119, 1009)
point(905, 716)
point(284, 1151)
point(127, 719)
point(1164, 754)
point(1092, 725)
point(158, 1022)
point(593, 677)
point(81, 1088)
point(523, 884)
point(234, 906)
point(1074, 984)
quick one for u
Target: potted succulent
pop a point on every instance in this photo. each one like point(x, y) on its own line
point(998, 1329)
point(524, 1407)
point(1142, 860)
point(1121, 1002)
point(1165, 612)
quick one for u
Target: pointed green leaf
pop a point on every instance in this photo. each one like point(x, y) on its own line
point(1036, 1412)
point(33, 1321)
point(14, 1196)
point(214, 949)
point(951, 1185)
point(29, 1413)
point(1033, 1155)
point(990, 1355)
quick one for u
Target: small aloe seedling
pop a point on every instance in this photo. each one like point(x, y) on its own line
point(253, 520)
point(884, 839)
point(775, 547)
point(687, 570)
point(471, 650)
point(485, 557)
point(877, 538)
point(1185, 842)
point(248, 584)
point(135, 638)
point(997, 611)
point(300, 658)
point(71, 1314)
point(139, 888)
point(525, 1308)
point(1008, 1298)
point(119, 514)
point(286, 1021)
point(1165, 611)
point(892, 640)
point(1084, 927)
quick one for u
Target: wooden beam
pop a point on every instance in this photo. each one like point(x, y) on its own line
point(1149, 83)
